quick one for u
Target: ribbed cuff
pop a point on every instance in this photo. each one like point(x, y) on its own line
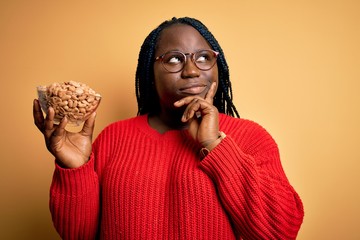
point(75, 181)
point(226, 160)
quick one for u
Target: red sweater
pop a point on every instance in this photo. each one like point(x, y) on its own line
point(140, 184)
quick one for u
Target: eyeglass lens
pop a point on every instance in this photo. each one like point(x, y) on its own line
point(174, 61)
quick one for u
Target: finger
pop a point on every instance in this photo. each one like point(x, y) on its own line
point(89, 125)
point(192, 109)
point(38, 115)
point(209, 97)
point(49, 122)
point(185, 101)
point(211, 93)
point(60, 129)
point(193, 127)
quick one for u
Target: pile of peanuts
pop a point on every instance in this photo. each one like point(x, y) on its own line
point(72, 99)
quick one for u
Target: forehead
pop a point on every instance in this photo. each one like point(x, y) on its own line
point(181, 37)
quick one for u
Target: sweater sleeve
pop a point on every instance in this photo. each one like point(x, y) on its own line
point(74, 201)
point(253, 188)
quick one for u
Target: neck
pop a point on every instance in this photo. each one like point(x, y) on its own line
point(165, 121)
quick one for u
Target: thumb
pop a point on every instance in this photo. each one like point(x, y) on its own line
point(89, 125)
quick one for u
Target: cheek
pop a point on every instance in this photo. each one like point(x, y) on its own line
point(215, 74)
point(158, 80)
point(164, 85)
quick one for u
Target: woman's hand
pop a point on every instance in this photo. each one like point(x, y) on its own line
point(202, 116)
point(72, 150)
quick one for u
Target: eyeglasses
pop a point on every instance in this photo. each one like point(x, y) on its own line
point(174, 61)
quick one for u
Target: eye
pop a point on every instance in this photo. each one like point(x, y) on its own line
point(173, 58)
point(201, 59)
point(203, 56)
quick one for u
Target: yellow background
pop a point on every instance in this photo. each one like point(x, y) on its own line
point(295, 68)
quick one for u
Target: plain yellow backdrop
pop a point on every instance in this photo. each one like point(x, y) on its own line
point(295, 68)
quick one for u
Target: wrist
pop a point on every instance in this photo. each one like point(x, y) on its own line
point(204, 151)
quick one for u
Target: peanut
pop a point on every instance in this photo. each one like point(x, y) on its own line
point(72, 99)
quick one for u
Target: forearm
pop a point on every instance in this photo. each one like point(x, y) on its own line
point(257, 195)
point(74, 202)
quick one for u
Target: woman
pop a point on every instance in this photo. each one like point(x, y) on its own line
point(184, 168)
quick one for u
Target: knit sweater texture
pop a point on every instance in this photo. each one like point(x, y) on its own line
point(140, 184)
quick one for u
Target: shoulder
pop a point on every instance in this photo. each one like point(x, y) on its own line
point(134, 121)
point(119, 128)
point(240, 125)
point(250, 135)
point(137, 121)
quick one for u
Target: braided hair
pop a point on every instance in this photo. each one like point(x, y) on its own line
point(146, 95)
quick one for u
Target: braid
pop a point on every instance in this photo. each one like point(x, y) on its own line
point(145, 92)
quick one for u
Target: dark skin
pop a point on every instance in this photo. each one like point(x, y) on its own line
point(182, 96)
point(187, 92)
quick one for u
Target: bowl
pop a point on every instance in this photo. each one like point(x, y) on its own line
point(74, 100)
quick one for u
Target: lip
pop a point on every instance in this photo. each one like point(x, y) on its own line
point(193, 89)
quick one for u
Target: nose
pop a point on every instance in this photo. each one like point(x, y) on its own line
point(190, 70)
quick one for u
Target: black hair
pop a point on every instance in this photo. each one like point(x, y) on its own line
point(146, 95)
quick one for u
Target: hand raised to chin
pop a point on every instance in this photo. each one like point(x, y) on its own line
point(202, 116)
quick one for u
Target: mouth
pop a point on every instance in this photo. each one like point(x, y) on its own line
point(194, 89)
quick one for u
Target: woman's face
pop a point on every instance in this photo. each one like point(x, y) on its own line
point(190, 80)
